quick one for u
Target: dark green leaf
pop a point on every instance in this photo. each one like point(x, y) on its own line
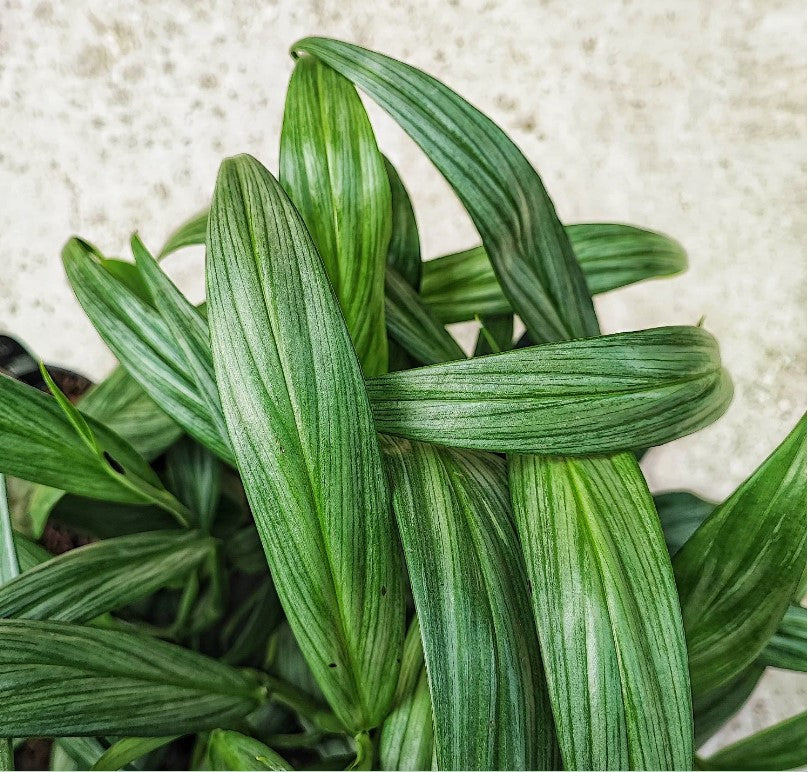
point(334, 173)
point(680, 513)
point(404, 252)
point(144, 344)
point(786, 648)
point(471, 594)
point(782, 746)
point(194, 474)
point(411, 325)
point(29, 553)
point(738, 572)
point(495, 336)
point(607, 613)
point(230, 750)
point(38, 442)
point(9, 563)
point(120, 754)
point(86, 582)
point(64, 679)
point(304, 439)
point(530, 252)
point(461, 285)
point(406, 740)
point(615, 392)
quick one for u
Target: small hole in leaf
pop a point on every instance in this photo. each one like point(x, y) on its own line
point(114, 464)
point(332, 664)
point(384, 590)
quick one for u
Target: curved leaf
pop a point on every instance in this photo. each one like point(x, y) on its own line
point(738, 572)
point(60, 679)
point(404, 252)
point(191, 232)
point(470, 591)
point(230, 750)
point(123, 752)
point(305, 443)
point(680, 513)
point(786, 648)
point(332, 169)
point(86, 582)
point(599, 395)
point(610, 642)
point(459, 286)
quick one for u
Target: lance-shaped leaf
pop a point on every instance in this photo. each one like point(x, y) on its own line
point(122, 753)
point(86, 582)
point(471, 594)
point(194, 474)
point(609, 641)
point(190, 233)
point(404, 252)
point(461, 285)
point(304, 440)
point(61, 679)
point(412, 326)
point(39, 441)
point(334, 173)
point(501, 191)
point(739, 571)
point(786, 648)
point(580, 397)
point(9, 563)
point(495, 335)
point(406, 740)
point(144, 344)
point(680, 513)
point(782, 746)
point(230, 750)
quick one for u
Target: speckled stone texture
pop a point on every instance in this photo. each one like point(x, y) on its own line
point(686, 117)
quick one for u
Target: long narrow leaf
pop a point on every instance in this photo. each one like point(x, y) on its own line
point(782, 746)
point(610, 642)
point(89, 581)
point(60, 679)
point(786, 649)
point(502, 193)
point(230, 750)
point(739, 571)
point(334, 173)
point(188, 234)
point(305, 443)
point(471, 594)
point(39, 443)
point(123, 752)
point(681, 513)
point(461, 285)
point(404, 252)
point(9, 564)
point(598, 395)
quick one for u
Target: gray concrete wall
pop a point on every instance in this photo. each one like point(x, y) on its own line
point(688, 117)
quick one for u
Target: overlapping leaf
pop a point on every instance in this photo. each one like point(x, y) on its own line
point(303, 436)
point(404, 252)
point(739, 571)
point(459, 286)
point(471, 595)
point(334, 173)
point(60, 679)
point(588, 396)
point(121, 753)
point(229, 750)
point(87, 582)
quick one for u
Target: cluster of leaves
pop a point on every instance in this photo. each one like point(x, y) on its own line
point(321, 536)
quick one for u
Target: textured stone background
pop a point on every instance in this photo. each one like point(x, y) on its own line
point(687, 117)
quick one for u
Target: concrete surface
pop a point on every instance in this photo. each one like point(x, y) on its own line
point(687, 117)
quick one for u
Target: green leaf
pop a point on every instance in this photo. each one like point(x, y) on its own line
point(738, 572)
point(194, 474)
point(404, 252)
point(782, 746)
point(786, 648)
point(38, 442)
point(599, 395)
point(334, 173)
point(230, 750)
point(122, 753)
point(495, 336)
point(713, 709)
point(471, 595)
point(64, 679)
point(29, 553)
point(190, 233)
point(305, 443)
point(143, 343)
point(9, 564)
point(606, 611)
point(458, 286)
point(189, 329)
point(406, 740)
point(128, 274)
point(506, 200)
point(86, 582)
point(412, 326)
point(82, 751)
point(680, 513)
